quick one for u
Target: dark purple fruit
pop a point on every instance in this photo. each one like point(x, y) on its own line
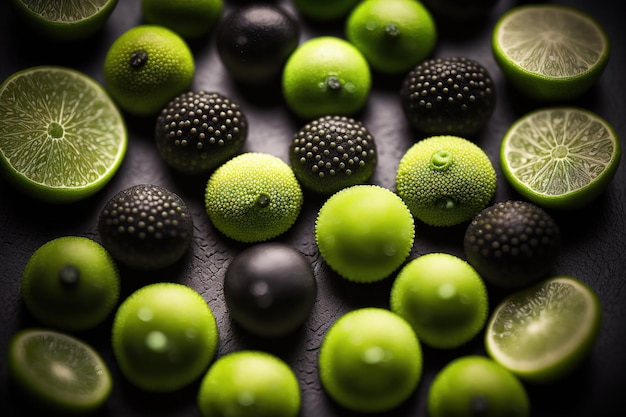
point(270, 289)
point(448, 96)
point(146, 227)
point(512, 244)
point(331, 153)
point(255, 40)
point(198, 131)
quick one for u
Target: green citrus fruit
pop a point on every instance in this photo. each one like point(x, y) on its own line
point(325, 10)
point(60, 372)
point(550, 52)
point(442, 297)
point(445, 180)
point(560, 157)
point(326, 75)
point(249, 383)
point(66, 20)
point(543, 332)
point(146, 67)
point(71, 283)
point(253, 197)
point(474, 385)
point(164, 336)
point(61, 137)
point(393, 35)
point(364, 232)
point(189, 18)
point(370, 360)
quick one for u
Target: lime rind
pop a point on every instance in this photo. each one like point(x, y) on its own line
point(59, 370)
point(560, 157)
point(543, 332)
point(550, 52)
point(54, 117)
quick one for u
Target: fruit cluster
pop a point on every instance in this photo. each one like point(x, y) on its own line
point(165, 335)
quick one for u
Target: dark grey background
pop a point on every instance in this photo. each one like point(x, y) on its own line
point(593, 248)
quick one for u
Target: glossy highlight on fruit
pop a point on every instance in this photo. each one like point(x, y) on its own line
point(333, 152)
point(199, 130)
point(270, 289)
point(364, 232)
point(146, 226)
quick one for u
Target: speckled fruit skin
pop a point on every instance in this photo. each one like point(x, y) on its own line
point(512, 244)
point(364, 232)
point(146, 227)
point(198, 131)
point(270, 289)
point(448, 96)
point(333, 152)
point(255, 40)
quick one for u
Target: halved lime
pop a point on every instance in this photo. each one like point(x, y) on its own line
point(61, 137)
point(543, 332)
point(560, 157)
point(60, 371)
point(66, 19)
point(550, 52)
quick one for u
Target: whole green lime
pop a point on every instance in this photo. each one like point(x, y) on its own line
point(474, 385)
point(326, 75)
point(364, 232)
point(164, 336)
point(146, 67)
point(249, 383)
point(445, 180)
point(370, 360)
point(71, 283)
point(253, 197)
point(442, 297)
point(189, 18)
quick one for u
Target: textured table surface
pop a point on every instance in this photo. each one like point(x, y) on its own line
point(594, 237)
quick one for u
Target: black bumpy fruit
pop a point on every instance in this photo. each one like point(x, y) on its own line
point(448, 96)
point(331, 153)
point(512, 244)
point(146, 227)
point(198, 131)
point(255, 40)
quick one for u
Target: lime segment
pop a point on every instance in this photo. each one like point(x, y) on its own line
point(542, 332)
point(560, 157)
point(61, 137)
point(59, 370)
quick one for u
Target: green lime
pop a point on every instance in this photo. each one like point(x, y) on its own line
point(71, 283)
point(445, 180)
point(253, 197)
point(326, 75)
point(393, 35)
point(146, 67)
point(472, 386)
point(325, 10)
point(543, 332)
point(370, 360)
point(189, 18)
point(364, 232)
point(560, 157)
point(66, 20)
point(442, 297)
point(61, 137)
point(59, 371)
point(249, 383)
point(164, 336)
point(550, 52)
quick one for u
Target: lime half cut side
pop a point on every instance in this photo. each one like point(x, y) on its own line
point(61, 136)
point(543, 332)
point(560, 157)
point(58, 370)
point(550, 52)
